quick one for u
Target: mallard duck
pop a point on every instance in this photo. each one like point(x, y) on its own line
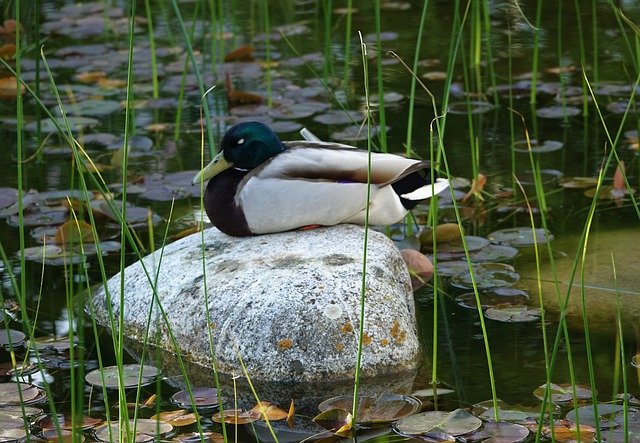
point(259, 184)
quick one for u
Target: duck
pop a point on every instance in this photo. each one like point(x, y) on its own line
point(259, 184)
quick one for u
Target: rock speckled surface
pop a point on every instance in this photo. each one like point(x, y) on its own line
point(288, 303)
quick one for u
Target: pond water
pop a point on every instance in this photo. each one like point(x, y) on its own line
point(296, 72)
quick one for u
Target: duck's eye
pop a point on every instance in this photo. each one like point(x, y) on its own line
point(241, 141)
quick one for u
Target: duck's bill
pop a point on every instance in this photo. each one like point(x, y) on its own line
point(217, 165)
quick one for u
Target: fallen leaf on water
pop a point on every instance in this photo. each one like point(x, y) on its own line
point(8, 88)
point(72, 232)
point(618, 177)
point(291, 415)
point(176, 418)
point(8, 51)
point(477, 185)
point(242, 54)
point(269, 411)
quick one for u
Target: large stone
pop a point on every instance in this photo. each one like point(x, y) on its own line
point(288, 304)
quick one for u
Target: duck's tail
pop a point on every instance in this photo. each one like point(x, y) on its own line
point(415, 187)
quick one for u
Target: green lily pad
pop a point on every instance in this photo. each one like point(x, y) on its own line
point(376, 409)
point(498, 297)
point(521, 236)
point(76, 123)
point(609, 415)
point(10, 338)
point(494, 253)
point(578, 182)
point(558, 111)
point(454, 423)
point(471, 107)
point(563, 393)
point(94, 108)
point(538, 148)
point(108, 376)
point(487, 275)
point(202, 398)
point(513, 314)
point(146, 430)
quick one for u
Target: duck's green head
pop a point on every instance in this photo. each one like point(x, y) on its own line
point(244, 146)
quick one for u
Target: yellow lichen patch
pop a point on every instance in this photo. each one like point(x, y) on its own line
point(384, 342)
point(346, 328)
point(398, 334)
point(339, 347)
point(367, 339)
point(285, 343)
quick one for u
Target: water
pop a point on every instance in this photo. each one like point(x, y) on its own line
point(75, 44)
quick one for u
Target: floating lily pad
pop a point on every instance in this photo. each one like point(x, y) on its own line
point(513, 314)
point(146, 430)
point(108, 376)
point(608, 192)
point(52, 345)
point(337, 117)
point(76, 123)
point(609, 415)
point(8, 196)
point(520, 236)
point(40, 216)
point(451, 268)
point(10, 338)
point(563, 393)
point(13, 393)
point(66, 422)
point(471, 107)
point(430, 392)
point(498, 297)
point(337, 421)
point(196, 437)
point(202, 398)
point(487, 275)
point(284, 126)
point(473, 243)
point(375, 409)
point(494, 253)
point(558, 111)
point(355, 133)
point(454, 423)
point(94, 108)
point(236, 416)
point(501, 431)
point(298, 110)
point(536, 147)
point(547, 176)
point(578, 182)
point(177, 418)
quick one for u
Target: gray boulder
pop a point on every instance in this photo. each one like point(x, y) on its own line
point(288, 304)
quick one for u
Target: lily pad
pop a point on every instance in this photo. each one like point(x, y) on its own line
point(13, 393)
point(146, 430)
point(372, 409)
point(202, 398)
point(10, 338)
point(66, 422)
point(498, 297)
point(609, 415)
point(337, 117)
point(513, 314)
point(451, 268)
point(487, 275)
point(94, 108)
point(538, 148)
point(547, 176)
point(108, 376)
point(457, 422)
point(578, 182)
point(563, 393)
point(471, 107)
point(494, 253)
point(501, 431)
point(8, 196)
point(558, 112)
point(236, 416)
point(76, 124)
point(520, 236)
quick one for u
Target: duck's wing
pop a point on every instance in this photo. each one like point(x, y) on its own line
point(312, 183)
point(333, 162)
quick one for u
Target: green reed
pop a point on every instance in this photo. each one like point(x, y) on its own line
point(363, 285)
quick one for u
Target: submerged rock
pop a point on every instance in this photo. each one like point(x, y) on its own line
point(288, 304)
